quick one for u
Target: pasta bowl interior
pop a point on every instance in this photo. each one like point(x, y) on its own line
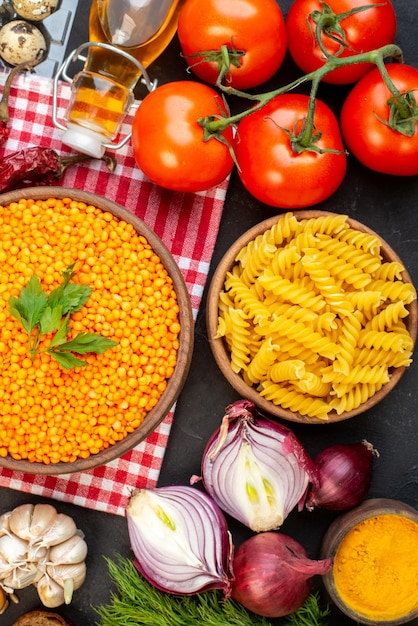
point(312, 316)
point(96, 335)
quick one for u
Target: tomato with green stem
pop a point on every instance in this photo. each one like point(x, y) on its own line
point(284, 159)
point(317, 30)
point(380, 125)
point(243, 40)
point(169, 144)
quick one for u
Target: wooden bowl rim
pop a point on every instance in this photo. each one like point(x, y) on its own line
point(338, 529)
point(186, 337)
point(221, 353)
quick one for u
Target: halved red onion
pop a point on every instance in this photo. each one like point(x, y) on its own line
point(180, 540)
point(256, 469)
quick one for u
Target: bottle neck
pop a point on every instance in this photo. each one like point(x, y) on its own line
point(147, 52)
point(132, 23)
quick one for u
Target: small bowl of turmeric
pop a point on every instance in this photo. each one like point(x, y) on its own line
point(375, 570)
point(96, 331)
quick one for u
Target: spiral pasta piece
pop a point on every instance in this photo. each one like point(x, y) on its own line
point(290, 369)
point(358, 374)
point(294, 312)
point(397, 341)
point(261, 362)
point(294, 400)
point(326, 284)
point(388, 317)
point(283, 230)
point(292, 292)
point(354, 397)
point(342, 270)
point(256, 262)
point(238, 340)
point(246, 299)
point(365, 261)
point(368, 302)
point(325, 224)
point(313, 384)
point(366, 356)
point(366, 241)
point(284, 260)
point(395, 290)
point(392, 270)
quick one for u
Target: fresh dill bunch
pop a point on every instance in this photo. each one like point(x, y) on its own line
point(135, 602)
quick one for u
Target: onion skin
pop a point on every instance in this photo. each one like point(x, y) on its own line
point(256, 469)
point(273, 574)
point(345, 474)
point(180, 540)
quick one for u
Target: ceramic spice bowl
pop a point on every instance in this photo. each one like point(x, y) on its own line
point(375, 571)
point(305, 313)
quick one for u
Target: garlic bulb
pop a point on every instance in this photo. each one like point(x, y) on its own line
point(41, 547)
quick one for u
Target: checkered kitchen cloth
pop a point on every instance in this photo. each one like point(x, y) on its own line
point(188, 224)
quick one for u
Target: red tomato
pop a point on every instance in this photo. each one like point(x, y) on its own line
point(271, 170)
point(169, 144)
point(256, 27)
point(363, 31)
point(364, 118)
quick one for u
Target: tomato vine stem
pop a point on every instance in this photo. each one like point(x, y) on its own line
point(214, 125)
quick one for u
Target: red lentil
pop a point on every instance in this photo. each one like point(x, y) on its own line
point(49, 414)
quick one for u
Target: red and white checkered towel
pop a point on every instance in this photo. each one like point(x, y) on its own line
point(188, 224)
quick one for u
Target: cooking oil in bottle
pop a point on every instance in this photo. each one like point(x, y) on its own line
point(125, 37)
point(144, 28)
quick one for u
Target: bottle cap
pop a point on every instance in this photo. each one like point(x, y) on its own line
point(84, 140)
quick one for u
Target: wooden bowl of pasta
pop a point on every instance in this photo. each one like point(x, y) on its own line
point(312, 316)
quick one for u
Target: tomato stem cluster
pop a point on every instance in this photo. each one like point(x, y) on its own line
point(328, 23)
point(401, 106)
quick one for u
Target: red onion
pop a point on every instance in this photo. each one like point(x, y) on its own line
point(345, 474)
point(255, 469)
point(273, 574)
point(180, 540)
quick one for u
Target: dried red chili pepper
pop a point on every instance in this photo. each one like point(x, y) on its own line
point(39, 166)
point(4, 103)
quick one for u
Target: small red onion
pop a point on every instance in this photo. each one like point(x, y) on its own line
point(273, 574)
point(345, 474)
point(255, 469)
point(180, 540)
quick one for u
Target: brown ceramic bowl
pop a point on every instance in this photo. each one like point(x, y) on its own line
point(221, 352)
point(186, 337)
point(337, 532)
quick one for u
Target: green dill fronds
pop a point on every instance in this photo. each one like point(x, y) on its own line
point(135, 602)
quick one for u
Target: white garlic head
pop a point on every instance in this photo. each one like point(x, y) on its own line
point(22, 42)
point(44, 548)
point(35, 10)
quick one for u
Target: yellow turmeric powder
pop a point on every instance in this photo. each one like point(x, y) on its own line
point(376, 567)
point(51, 415)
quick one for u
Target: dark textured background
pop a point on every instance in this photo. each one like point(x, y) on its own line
point(386, 204)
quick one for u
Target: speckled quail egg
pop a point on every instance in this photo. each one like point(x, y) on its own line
point(22, 42)
point(34, 10)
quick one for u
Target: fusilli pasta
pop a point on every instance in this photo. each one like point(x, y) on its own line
point(313, 317)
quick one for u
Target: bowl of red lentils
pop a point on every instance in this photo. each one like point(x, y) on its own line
point(96, 330)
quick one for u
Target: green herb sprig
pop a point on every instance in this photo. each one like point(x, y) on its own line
point(135, 602)
point(41, 314)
